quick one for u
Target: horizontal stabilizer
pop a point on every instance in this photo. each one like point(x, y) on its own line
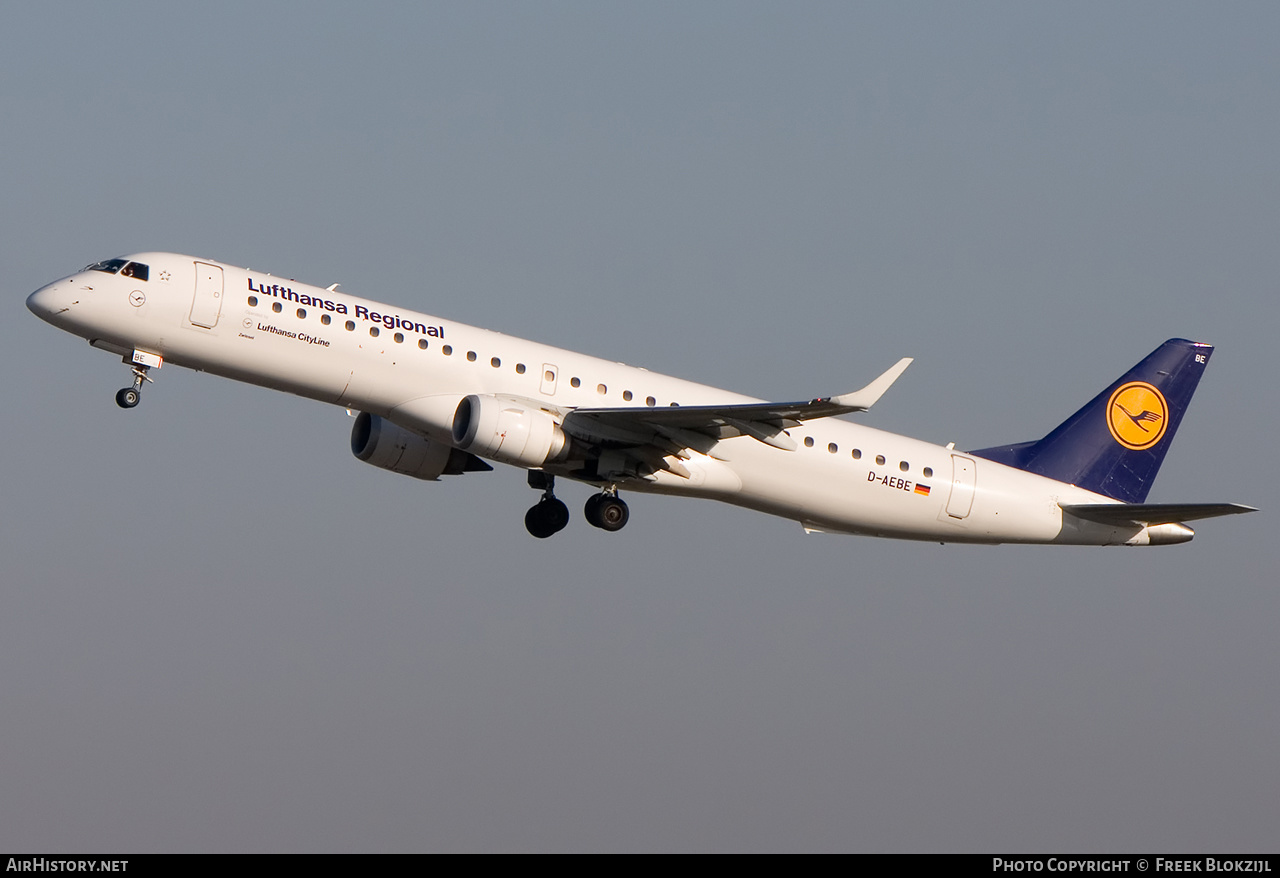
point(1149, 514)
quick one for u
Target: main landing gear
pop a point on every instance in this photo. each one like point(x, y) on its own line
point(605, 510)
point(128, 397)
point(549, 515)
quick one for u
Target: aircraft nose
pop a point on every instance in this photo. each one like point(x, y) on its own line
point(45, 302)
point(38, 302)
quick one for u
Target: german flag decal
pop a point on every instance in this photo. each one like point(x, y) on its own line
point(922, 490)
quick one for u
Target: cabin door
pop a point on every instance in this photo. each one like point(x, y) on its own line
point(206, 304)
point(963, 482)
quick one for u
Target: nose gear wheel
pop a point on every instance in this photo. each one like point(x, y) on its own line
point(128, 397)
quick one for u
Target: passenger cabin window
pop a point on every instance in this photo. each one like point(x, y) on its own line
point(422, 343)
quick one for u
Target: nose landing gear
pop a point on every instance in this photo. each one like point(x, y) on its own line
point(128, 397)
point(549, 516)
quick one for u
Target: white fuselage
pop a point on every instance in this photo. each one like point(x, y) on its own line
point(413, 369)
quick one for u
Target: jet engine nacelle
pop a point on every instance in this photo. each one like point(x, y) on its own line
point(509, 430)
point(377, 441)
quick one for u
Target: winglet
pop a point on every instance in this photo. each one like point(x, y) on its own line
point(861, 400)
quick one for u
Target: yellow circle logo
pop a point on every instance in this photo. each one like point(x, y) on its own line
point(1137, 415)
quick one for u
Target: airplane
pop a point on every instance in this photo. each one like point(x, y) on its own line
point(433, 397)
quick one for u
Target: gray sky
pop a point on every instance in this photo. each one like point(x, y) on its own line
point(221, 632)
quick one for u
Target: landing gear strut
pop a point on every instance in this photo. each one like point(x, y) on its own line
point(607, 510)
point(549, 515)
point(128, 397)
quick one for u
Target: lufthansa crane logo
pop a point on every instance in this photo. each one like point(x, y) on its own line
point(1137, 415)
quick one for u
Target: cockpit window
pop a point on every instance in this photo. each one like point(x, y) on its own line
point(136, 270)
point(110, 266)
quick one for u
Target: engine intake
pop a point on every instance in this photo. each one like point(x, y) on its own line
point(509, 430)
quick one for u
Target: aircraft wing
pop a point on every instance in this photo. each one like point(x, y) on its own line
point(1148, 514)
point(699, 426)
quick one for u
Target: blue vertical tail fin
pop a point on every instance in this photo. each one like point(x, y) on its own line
point(1115, 444)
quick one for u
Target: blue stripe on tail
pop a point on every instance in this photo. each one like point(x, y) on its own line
point(1114, 445)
